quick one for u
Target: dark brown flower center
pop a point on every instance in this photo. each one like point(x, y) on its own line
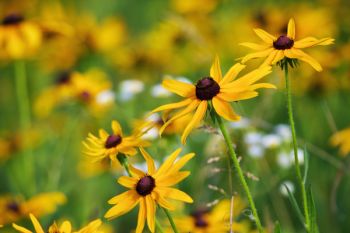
point(207, 88)
point(145, 185)
point(85, 96)
point(12, 19)
point(199, 219)
point(13, 206)
point(283, 42)
point(63, 78)
point(113, 141)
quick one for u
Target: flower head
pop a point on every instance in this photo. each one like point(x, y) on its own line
point(109, 145)
point(151, 188)
point(65, 227)
point(342, 139)
point(216, 89)
point(284, 46)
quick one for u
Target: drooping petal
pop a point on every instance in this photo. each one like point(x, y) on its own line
point(141, 216)
point(123, 206)
point(279, 56)
point(232, 73)
point(21, 229)
point(262, 85)
point(175, 194)
point(117, 129)
point(311, 41)
point(127, 150)
point(179, 88)
point(291, 29)
point(215, 70)
point(224, 109)
point(197, 117)
point(128, 182)
point(36, 224)
point(298, 54)
point(121, 197)
point(151, 212)
point(259, 54)
point(167, 163)
point(173, 105)
point(254, 46)
point(161, 200)
point(265, 36)
point(149, 161)
point(270, 58)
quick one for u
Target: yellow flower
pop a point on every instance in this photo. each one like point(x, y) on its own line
point(275, 49)
point(18, 37)
point(109, 145)
point(65, 227)
point(216, 220)
point(151, 188)
point(220, 91)
point(342, 139)
point(14, 208)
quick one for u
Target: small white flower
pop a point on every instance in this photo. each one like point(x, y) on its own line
point(284, 160)
point(159, 91)
point(183, 79)
point(151, 134)
point(290, 186)
point(105, 97)
point(251, 138)
point(256, 151)
point(271, 141)
point(129, 88)
point(300, 156)
point(241, 124)
point(284, 131)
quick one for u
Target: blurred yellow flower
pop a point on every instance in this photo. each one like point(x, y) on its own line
point(216, 220)
point(18, 37)
point(14, 208)
point(151, 188)
point(275, 49)
point(216, 89)
point(65, 227)
point(110, 145)
point(342, 139)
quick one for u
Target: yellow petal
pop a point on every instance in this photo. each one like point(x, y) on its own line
point(127, 150)
point(181, 162)
point(149, 161)
point(66, 227)
point(180, 88)
point(262, 85)
point(136, 172)
point(265, 36)
point(224, 109)
point(117, 129)
point(168, 163)
point(298, 54)
point(259, 54)
point(311, 41)
point(196, 119)
point(291, 29)
point(175, 194)
point(103, 134)
point(172, 179)
point(123, 207)
point(161, 200)
point(236, 96)
point(151, 212)
point(254, 46)
point(141, 216)
point(21, 229)
point(232, 73)
point(121, 197)
point(279, 56)
point(128, 182)
point(173, 105)
point(36, 224)
point(215, 70)
point(268, 61)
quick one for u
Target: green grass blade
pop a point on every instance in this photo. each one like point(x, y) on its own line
point(295, 205)
point(306, 165)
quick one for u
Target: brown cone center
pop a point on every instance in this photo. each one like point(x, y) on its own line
point(113, 141)
point(12, 19)
point(207, 88)
point(145, 185)
point(283, 42)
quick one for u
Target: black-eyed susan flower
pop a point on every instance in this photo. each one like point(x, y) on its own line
point(216, 89)
point(275, 49)
point(13, 208)
point(151, 188)
point(109, 145)
point(65, 227)
point(342, 139)
point(217, 219)
point(18, 37)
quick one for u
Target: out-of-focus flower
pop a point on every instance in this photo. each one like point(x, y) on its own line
point(19, 38)
point(242, 124)
point(195, 6)
point(255, 151)
point(159, 91)
point(215, 220)
point(286, 160)
point(65, 227)
point(289, 185)
point(275, 49)
point(87, 169)
point(284, 132)
point(217, 89)
point(129, 88)
point(151, 188)
point(342, 140)
point(13, 208)
point(110, 145)
point(271, 141)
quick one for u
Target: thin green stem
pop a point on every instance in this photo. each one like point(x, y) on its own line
point(234, 158)
point(159, 227)
point(295, 147)
point(172, 223)
point(124, 162)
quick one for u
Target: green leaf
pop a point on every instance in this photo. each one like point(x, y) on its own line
point(295, 205)
point(277, 228)
point(306, 165)
point(312, 211)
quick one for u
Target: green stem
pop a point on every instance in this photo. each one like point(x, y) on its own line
point(233, 156)
point(124, 162)
point(295, 147)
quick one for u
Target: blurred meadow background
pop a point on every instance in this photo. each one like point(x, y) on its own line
point(116, 54)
